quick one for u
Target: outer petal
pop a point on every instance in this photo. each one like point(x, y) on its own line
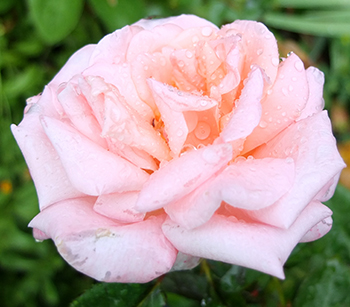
point(103, 249)
point(75, 65)
point(313, 147)
point(282, 104)
point(90, 168)
point(119, 206)
point(184, 21)
point(315, 102)
point(255, 246)
point(182, 175)
point(49, 176)
point(249, 184)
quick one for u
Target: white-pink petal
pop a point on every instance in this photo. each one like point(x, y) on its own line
point(257, 246)
point(182, 175)
point(104, 249)
point(91, 169)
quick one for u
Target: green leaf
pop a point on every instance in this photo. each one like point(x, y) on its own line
point(327, 287)
point(118, 295)
point(303, 25)
point(311, 3)
point(54, 19)
point(117, 13)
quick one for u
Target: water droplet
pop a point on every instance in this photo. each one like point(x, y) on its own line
point(195, 39)
point(283, 113)
point(270, 119)
point(38, 241)
point(189, 54)
point(181, 63)
point(285, 91)
point(259, 51)
point(294, 79)
point(281, 76)
point(179, 133)
point(202, 131)
point(289, 160)
point(145, 67)
point(269, 92)
point(275, 61)
point(206, 31)
point(299, 65)
point(279, 107)
point(250, 158)
point(268, 36)
point(203, 102)
point(290, 88)
point(263, 124)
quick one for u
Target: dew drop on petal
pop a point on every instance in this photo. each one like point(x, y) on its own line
point(259, 52)
point(206, 31)
point(263, 124)
point(179, 133)
point(275, 61)
point(189, 54)
point(202, 131)
point(298, 65)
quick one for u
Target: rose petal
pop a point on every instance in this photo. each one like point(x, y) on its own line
point(90, 168)
point(79, 113)
point(50, 178)
point(313, 147)
point(104, 249)
point(171, 104)
point(185, 21)
point(258, 46)
point(282, 104)
point(120, 77)
point(250, 185)
point(247, 113)
point(257, 246)
point(315, 102)
point(76, 63)
point(185, 262)
point(181, 176)
point(119, 206)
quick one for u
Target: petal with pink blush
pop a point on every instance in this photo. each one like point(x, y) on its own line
point(318, 231)
point(272, 179)
point(90, 168)
point(282, 104)
point(104, 249)
point(123, 124)
point(258, 46)
point(182, 175)
point(120, 77)
point(185, 21)
point(79, 112)
point(75, 65)
point(312, 146)
point(50, 178)
point(171, 104)
point(112, 49)
point(246, 116)
point(257, 246)
point(315, 102)
point(148, 42)
point(119, 206)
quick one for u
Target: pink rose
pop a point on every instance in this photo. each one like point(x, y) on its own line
point(172, 140)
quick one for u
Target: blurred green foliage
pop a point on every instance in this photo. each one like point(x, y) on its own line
point(36, 39)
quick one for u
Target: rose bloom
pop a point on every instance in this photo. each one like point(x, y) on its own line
point(173, 140)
